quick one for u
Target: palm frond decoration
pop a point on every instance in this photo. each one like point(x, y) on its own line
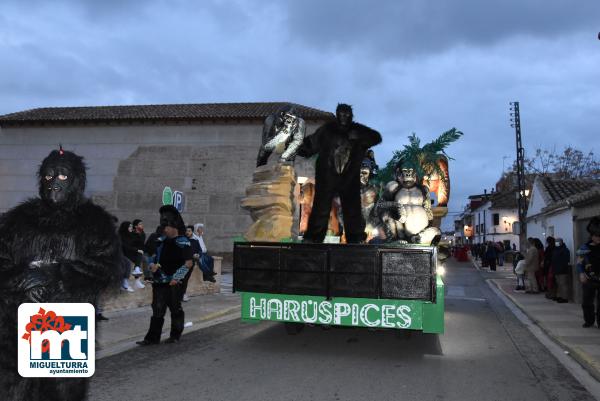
point(424, 160)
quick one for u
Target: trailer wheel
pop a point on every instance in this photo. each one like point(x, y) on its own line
point(293, 328)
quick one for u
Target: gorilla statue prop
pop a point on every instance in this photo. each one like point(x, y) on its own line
point(406, 208)
point(59, 247)
point(341, 146)
point(369, 195)
point(283, 133)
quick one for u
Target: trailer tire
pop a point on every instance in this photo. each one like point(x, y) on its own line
point(293, 328)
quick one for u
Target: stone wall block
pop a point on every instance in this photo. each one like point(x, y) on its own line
point(223, 204)
point(138, 200)
point(196, 203)
point(126, 167)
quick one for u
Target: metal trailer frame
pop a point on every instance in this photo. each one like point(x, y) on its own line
point(377, 286)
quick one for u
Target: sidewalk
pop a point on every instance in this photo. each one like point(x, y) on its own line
point(561, 322)
point(125, 327)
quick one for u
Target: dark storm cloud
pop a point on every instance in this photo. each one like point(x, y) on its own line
point(412, 27)
point(406, 66)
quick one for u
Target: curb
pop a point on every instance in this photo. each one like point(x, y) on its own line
point(211, 319)
point(574, 352)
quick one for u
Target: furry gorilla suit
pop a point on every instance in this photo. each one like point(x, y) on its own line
point(341, 146)
point(57, 248)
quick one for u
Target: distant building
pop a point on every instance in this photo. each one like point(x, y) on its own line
point(493, 219)
point(563, 208)
point(206, 151)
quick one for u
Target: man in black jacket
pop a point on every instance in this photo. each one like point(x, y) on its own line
point(341, 146)
point(561, 257)
point(171, 263)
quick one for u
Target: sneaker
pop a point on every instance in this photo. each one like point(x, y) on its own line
point(561, 300)
point(171, 340)
point(100, 316)
point(185, 298)
point(586, 325)
point(137, 271)
point(138, 284)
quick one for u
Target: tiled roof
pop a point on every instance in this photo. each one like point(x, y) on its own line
point(504, 200)
point(165, 112)
point(559, 189)
point(590, 195)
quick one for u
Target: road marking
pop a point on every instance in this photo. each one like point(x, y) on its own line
point(467, 299)
point(456, 291)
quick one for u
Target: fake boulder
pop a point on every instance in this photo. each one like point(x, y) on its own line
point(269, 199)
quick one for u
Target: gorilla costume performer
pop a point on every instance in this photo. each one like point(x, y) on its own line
point(59, 247)
point(341, 146)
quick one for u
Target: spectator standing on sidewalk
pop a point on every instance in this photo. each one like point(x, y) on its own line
point(561, 257)
point(539, 274)
point(128, 252)
point(206, 261)
point(588, 267)
point(548, 269)
point(500, 253)
point(519, 269)
point(150, 250)
point(170, 265)
point(189, 233)
point(490, 255)
point(532, 265)
point(139, 237)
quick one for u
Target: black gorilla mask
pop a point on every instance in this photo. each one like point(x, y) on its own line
point(62, 179)
point(344, 115)
point(169, 216)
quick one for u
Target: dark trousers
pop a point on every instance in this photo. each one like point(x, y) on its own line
point(325, 191)
point(165, 296)
point(591, 293)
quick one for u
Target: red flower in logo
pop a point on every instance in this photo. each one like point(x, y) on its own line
point(44, 321)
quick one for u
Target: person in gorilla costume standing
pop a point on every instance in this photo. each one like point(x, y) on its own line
point(59, 247)
point(341, 146)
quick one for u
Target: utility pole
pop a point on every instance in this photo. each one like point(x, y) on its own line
point(516, 124)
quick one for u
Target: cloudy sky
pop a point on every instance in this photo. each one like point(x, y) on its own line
point(406, 66)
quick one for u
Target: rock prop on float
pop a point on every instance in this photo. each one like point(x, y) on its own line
point(269, 199)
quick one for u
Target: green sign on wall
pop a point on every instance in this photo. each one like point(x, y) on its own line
point(167, 196)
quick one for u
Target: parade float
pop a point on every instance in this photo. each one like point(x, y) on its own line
point(390, 279)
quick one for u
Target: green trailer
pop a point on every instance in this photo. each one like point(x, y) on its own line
point(375, 286)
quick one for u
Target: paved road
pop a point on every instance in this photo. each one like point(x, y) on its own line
point(485, 354)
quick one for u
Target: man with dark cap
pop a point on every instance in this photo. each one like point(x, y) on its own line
point(171, 263)
point(588, 267)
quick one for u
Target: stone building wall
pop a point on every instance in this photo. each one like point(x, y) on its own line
point(129, 165)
